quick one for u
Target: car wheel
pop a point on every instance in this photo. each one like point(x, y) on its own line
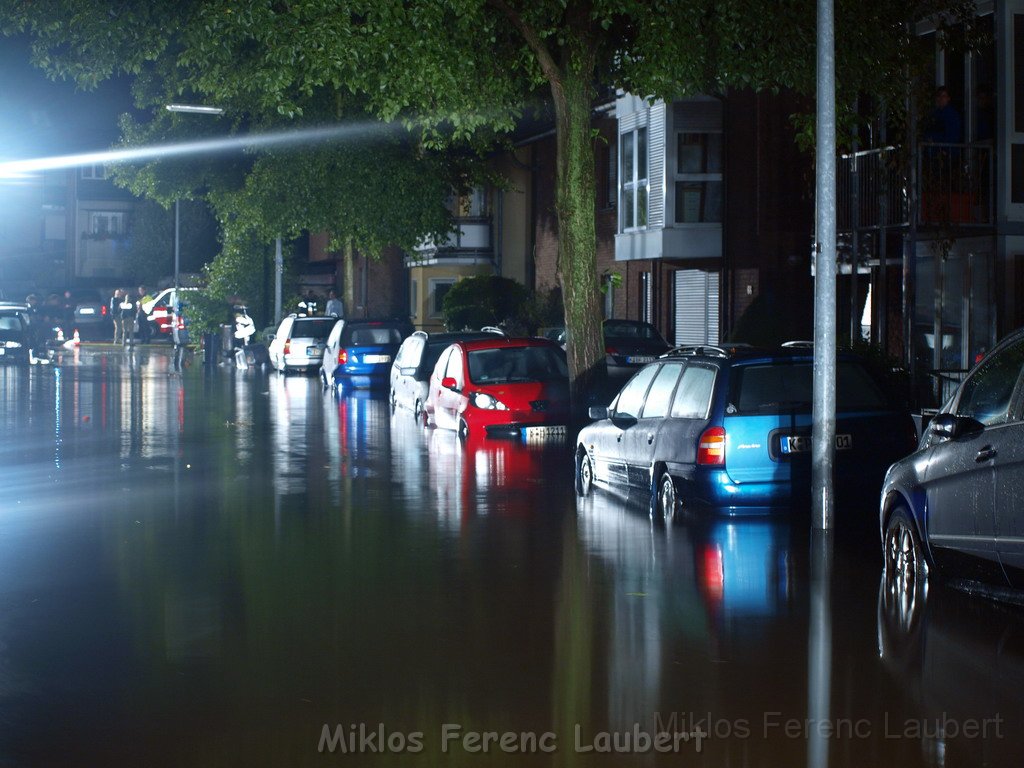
point(463, 429)
point(584, 473)
point(323, 380)
point(666, 503)
point(905, 567)
point(393, 400)
point(417, 411)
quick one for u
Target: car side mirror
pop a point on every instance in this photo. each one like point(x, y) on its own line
point(948, 426)
point(598, 412)
point(449, 382)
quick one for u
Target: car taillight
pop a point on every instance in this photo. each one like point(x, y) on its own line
point(103, 309)
point(342, 356)
point(611, 351)
point(711, 448)
point(287, 346)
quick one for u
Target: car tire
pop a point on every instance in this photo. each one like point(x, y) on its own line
point(584, 473)
point(463, 429)
point(418, 412)
point(323, 380)
point(392, 400)
point(905, 566)
point(666, 500)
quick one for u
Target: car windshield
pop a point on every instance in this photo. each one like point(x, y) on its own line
point(10, 323)
point(784, 387)
point(373, 336)
point(312, 328)
point(503, 365)
point(631, 331)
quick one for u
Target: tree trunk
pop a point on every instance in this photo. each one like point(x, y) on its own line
point(575, 197)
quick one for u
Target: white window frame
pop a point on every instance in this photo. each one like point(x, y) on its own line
point(435, 310)
point(114, 223)
point(96, 171)
point(629, 189)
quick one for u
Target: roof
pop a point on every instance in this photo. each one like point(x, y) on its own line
point(500, 342)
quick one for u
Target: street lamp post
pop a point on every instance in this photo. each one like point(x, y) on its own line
point(193, 109)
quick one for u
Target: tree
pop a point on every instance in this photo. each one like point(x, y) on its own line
point(150, 250)
point(462, 70)
point(474, 302)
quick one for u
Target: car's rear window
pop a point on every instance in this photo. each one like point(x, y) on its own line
point(312, 328)
point(631, 331)
point(10, 322)
point(371, 336)
point(784, 387)
point(517, 364)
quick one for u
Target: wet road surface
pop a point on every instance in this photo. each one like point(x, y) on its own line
point(231, 568)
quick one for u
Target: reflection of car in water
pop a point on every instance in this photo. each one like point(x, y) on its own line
point(744, 567)
point(956, 660)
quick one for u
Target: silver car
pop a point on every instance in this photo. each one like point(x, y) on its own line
point(299, 343)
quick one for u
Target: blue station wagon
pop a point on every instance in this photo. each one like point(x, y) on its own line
point(729, 430)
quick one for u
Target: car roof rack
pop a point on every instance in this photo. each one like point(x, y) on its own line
point(798, 344)
point(493, 329)
point(424, 334)
point(697, 349)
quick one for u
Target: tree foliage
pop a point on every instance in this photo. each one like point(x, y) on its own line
point(474, 302)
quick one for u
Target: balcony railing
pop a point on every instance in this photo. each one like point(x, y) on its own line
point(956, 184)
point(955, 187)
point(471, 236)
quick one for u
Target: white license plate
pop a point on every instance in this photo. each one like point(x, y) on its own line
point(314, 351)
point(87, 311)
point(373, 359)
point(802, 443)
point(2, 351)
point(640, 359)
point(543, 433)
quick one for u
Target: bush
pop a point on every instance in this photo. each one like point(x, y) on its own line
point(474, 302)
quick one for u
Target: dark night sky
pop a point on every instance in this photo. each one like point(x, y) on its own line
point(40, 117)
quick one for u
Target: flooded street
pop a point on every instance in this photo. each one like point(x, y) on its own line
point(206, 568)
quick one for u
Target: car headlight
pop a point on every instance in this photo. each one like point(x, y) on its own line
point(12, 344)
point(485, 401)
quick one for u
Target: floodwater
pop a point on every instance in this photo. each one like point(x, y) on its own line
point(221, 568)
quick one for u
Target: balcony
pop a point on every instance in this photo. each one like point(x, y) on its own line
point(470, 242)
point(955, 185)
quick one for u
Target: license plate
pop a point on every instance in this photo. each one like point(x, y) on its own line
point(640, 359)
point(314, 351)
point(802, 443)
point(543, 433)
point(373, 359)
point(2, 351)
point(87, 311)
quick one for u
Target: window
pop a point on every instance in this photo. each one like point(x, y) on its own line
point(633, 176)
point(97, 171)
point(106, 223)
point(454, 368)
point(438, 290)
point(786, 387)
point(658, 399)
point(608, 286)
point(472, 205)
point(698, 179)
point(631, 398)
point(693, 398)
point(986, 394)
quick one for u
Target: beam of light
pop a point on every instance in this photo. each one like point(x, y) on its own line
point(17, 169)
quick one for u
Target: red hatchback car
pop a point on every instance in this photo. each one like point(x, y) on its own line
point(500, 386)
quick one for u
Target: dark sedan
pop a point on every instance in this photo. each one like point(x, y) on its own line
point(954, 506)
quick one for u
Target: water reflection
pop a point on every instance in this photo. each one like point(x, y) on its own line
point(221, 562)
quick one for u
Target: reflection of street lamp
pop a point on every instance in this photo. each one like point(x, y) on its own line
point(194, 110)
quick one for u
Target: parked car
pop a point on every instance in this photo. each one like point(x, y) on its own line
point(91, 316)
point(298, 344)
point(514, 386)
point(15, 334)
point(954, 506)
point(414, 364)
point(360, 352)
point(707, 428)
point(629, 344)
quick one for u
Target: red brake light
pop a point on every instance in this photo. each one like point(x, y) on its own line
point(342, 356)
point(103, 309)
point(610, 351)
point(711, 448)
point(287, 346)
